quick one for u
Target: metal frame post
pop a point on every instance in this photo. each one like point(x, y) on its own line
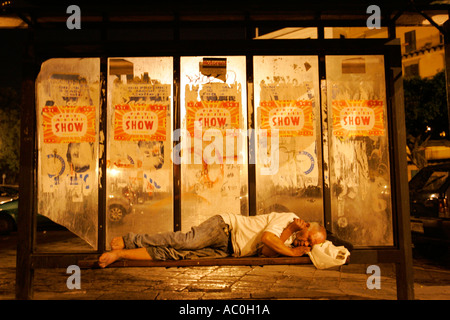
point(399, 177)
point(26, 223)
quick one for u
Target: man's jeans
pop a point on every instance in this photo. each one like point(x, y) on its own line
point(207, 240)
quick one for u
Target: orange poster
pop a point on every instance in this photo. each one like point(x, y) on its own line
point(220, 115)
point(358, 118)
point(291, 117)
point(66, 124)
point(140, 122)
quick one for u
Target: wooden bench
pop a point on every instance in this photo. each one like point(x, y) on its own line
point(229, 261)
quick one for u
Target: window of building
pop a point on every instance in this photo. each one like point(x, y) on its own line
point(410, 41)
point(412, 70)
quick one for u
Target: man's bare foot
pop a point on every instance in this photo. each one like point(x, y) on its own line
point(108, 257)
point(117, 243)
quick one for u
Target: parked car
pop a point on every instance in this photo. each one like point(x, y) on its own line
point(8, 215)
point(429, 192)
point(8, 193)
point(120, 204)
point(9, 196)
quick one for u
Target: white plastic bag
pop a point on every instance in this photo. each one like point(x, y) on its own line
point(327, 255)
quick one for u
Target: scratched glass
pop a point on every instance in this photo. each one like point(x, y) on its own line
point(286, 91)
point(139, 141)
point(213, 138)
point(67, 107)
point(359, 150)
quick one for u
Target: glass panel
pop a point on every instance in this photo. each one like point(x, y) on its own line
point(139, 174)
point(214, 148)
point(287, 101)
point(359, 150)
point(67, 101)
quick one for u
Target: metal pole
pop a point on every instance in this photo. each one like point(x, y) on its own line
point(26, 220)
point(404, 269)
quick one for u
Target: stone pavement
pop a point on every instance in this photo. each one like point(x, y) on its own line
point(271, 282)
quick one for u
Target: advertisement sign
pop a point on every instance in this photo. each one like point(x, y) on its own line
point(292, 118)
point(220, 115)
point(145, 122)
point(65, 124)
point(358, 118)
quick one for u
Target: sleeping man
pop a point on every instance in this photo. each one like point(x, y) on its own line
point(220, 236)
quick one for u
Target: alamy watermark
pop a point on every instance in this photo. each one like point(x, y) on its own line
point(261, 151)
point(74, 281)
point(374, 21)
point(74, 20)
point(374, 280)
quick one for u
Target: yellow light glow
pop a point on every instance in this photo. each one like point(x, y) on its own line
point(439, 19)
point(114, 172)
point(12, 22)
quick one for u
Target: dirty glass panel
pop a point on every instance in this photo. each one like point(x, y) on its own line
point(359, 150)
point(213, 147)
point(67, 102)
point(287, 117)
point(139, 167)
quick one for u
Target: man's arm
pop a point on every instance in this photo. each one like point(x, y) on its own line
point(268, 251)
point(294, 226)
point(274, 245)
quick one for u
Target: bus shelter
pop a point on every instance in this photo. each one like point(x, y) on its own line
point(153, 118)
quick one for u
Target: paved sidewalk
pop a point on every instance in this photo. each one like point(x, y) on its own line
point(269, 282)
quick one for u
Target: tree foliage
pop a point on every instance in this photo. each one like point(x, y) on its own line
point(426, 106)
point(9, 134)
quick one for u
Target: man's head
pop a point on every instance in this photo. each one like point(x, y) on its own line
point(310, 236)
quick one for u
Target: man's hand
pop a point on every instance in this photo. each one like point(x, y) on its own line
point(274, 246)
point(299, 251)
point(300, 224)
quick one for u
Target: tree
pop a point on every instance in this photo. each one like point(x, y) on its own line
point(426, 114)
point(426, 106)
point(9, 134)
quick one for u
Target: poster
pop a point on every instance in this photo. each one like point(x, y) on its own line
point(143, 116)
point(358, 118)
point(218, 107)
point(292, 118)
point(65, 124)
point(220, 115)
point(140, 122)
